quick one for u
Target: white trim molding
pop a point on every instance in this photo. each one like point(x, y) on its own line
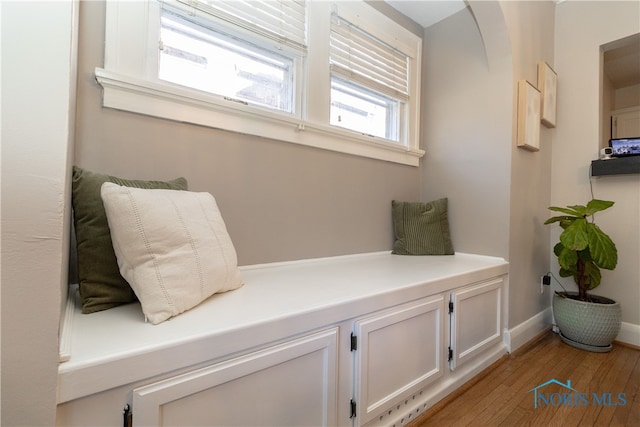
point(130, 83)
point(534, 326)
point(521, 334)
point(629, 334)
point(161, 100)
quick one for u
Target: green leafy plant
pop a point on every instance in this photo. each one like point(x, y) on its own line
point(583, 248)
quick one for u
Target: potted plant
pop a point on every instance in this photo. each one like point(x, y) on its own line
point(586, 321)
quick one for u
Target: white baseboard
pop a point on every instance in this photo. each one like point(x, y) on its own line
point(528, 330)
point(629, 334)
point(531, 328)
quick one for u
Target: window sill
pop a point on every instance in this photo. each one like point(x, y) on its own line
point(190, 106)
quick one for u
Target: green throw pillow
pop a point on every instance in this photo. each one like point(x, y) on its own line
point(101, 285)
point(421, 228)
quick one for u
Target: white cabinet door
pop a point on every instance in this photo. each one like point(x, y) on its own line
point(399, 351)
point(626, 123)
point(476, 320)
point(291, 384)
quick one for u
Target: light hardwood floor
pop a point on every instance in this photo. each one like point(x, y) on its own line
point(606, 390)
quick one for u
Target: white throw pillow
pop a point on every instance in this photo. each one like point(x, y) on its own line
point(172, 247)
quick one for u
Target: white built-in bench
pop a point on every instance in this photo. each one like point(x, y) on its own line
point(286, 336)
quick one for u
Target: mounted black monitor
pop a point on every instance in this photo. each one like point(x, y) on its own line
point(625, 146)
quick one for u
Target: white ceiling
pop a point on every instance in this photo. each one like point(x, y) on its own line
point(427, 12)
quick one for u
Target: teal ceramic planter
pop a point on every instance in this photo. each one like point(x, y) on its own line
point(590, 326)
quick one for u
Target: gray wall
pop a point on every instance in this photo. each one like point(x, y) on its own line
point(498, 193)
point(467, 133)
point(280, 201)
point(531, 29)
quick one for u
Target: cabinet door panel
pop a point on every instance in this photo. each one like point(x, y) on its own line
point(399, 352)
point(626, 124)
point(476, 321)
point(291, 384)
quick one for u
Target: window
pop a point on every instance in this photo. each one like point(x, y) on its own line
point(369, 81)
point(360, 109)
point(195, 56)
point(348, 80)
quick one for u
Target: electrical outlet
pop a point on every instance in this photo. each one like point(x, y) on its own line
point(544, 281)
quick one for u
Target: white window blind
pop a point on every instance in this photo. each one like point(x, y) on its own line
point(283, 21)
point(362, 58)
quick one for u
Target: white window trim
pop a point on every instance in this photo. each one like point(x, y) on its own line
point(129, 83)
